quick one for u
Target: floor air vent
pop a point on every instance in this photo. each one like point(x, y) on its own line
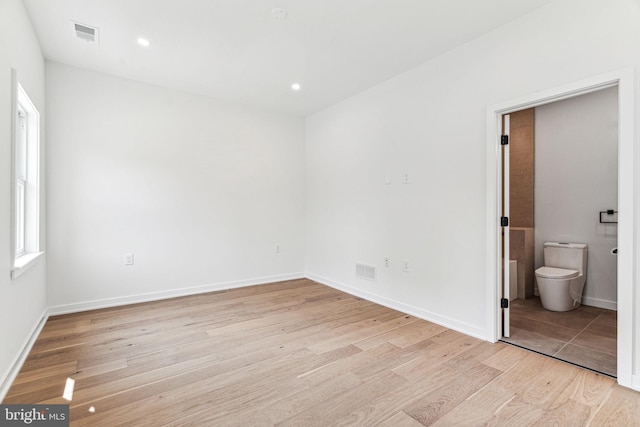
point(364, 271)
point(85, 32)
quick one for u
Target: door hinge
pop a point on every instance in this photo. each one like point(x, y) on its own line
point(504, 303)
point(504, 140)
point(504, 221)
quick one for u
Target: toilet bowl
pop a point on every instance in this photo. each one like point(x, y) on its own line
point(561, 280)
point(560, 289)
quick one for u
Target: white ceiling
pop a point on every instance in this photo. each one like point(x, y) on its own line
point(234, 50)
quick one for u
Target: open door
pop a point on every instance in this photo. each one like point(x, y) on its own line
point(504, 222)
point(625, 80)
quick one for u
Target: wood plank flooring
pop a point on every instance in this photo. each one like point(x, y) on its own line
point(298, 353)
point(585, 336)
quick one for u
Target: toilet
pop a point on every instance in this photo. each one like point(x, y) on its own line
point(562, 278)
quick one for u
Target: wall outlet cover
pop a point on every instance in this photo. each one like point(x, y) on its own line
point(128, 259)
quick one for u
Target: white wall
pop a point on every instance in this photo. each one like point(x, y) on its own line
point(430, 122)
point(200, 191)
point(22, 301)
point(576, 177)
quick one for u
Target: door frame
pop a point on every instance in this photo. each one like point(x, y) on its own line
point(624, 80)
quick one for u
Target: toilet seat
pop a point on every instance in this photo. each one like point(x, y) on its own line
point(556, 273)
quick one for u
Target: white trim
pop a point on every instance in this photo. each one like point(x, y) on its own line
point(12, 194)
point(174, 293)
point(635, 382)
point(625, 80)
point(24, 263)
point(447, 322)
point(10, 375)
point(626, 226)
point(600, 303)
point(506, 238)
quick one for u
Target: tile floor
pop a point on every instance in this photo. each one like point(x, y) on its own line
point(585, 336)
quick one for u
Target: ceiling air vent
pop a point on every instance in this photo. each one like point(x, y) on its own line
point(364, 271)
point(85, 32)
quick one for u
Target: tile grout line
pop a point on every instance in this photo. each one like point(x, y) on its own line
point(576, 335)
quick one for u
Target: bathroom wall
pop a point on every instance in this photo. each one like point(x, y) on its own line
point(521, 198)
point(576, 170)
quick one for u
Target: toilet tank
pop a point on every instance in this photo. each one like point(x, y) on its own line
point(571, 256)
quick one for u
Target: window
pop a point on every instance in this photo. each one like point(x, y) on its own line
point(26, 183)
point(21, 179)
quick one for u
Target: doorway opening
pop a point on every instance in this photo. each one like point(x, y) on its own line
point(623, 80)
point(562, 172)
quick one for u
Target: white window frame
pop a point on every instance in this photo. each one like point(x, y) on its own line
point(25, 189)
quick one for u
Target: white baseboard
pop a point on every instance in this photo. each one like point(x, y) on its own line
point(600, 303)
point(449, 323)
point(154, 296)
point(12, 372)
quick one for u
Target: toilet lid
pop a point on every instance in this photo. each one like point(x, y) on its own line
point(556, 273)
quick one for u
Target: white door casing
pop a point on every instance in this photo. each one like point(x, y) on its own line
point(625, 80)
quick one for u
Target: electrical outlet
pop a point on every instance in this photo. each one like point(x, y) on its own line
point(405, 178)
point(128, 259)
point(277, 249)
point(405, 266)
point(387, 263)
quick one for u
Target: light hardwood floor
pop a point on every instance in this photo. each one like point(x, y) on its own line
point(300, 354)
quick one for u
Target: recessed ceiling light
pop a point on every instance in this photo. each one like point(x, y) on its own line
point(279, 13)
point(295, 86)
point(143, 42)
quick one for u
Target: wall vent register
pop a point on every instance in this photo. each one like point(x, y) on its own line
point(364, 271)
